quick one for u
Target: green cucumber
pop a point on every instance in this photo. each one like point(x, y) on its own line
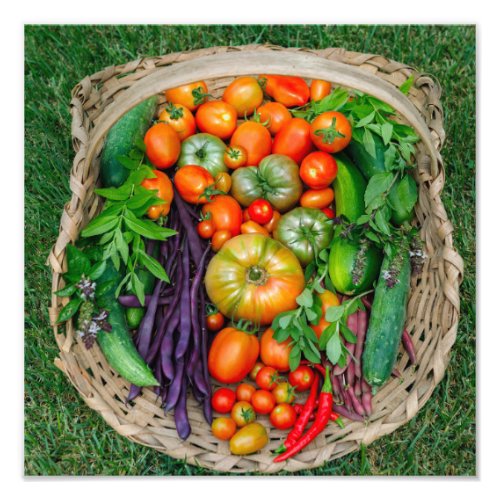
point(367, 164)
point(117, 345)
point(387, 318)
point(121, 138)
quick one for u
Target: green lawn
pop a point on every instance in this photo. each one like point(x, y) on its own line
point(62, 435)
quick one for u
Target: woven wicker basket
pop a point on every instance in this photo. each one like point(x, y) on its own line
point(433, 310)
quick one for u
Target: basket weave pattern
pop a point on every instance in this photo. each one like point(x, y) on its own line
point(433, 308)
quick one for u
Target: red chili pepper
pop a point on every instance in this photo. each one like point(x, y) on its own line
point(290, 91)
point(334, 417)
point(322, 419)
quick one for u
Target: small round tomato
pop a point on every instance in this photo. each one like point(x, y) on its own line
point(331, 132)
point(225, 213)
point(217, 118)
point(260, 211)
point(205, 229)
point(263, 401)
point(215, 321)
point(243, 413)
point(223, 400)
point(273, 223)
point(267, 378)
point(318, 170)
point(223, 428)
point(317, 198)
point(163, 145)
point(245, 94)
point(328, 299)
point(165, 191)
point(191, 181)
point(320, 89)
point(191, 95)
point(223, 182)
point(274, 353)
point(219, 238)
point(284, 393)
point(274, 116)
point(180, 119)
point(329, 212)
point(255, 138)
point(301, 378)
point(294, 140)
point(256, 369)
point(235, 157)
point(244, 392)
point(251, 227)
point(283, 416)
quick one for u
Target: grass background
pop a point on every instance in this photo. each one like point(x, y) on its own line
point(62, 435)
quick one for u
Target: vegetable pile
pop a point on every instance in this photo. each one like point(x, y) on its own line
point(254, 251)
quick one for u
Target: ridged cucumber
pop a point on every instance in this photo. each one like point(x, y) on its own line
point(387, 318)
point(121, 139)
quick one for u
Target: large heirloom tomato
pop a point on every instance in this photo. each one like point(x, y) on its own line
point(204, 150)
point(254, 277)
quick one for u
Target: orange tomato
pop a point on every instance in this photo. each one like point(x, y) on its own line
point(320, 89)
point(223, 428)
point(331, 132)
point(263, 402)
point(318, 170)
point(205, 229)
point(256, 368)
point(294, 140)
point(191, 95)
point(163, 145)
point(235, 157)
point(219, 238)
point(328, 299)
point(274, 115)
point(255, 138)
point(251, 227)
point(217, 118)
point(180, 119)
point(165, 192)
point(223, 182)
point(274, 353)
point(317, 198)
point(232, 355)
point(243, 413)
point(284, 393)
point(244, 392)
point(191, 181)
point(273, 223)
point(245, 94)
point(225, 213)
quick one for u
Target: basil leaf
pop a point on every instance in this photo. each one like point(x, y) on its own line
point(153, 266)
point(372, 236)
point(390, 156)
point(407, 192)
point(369, 143)
point(97, 270)
point(334, 313)
point(78, 262)
point(101, 224)
point(69, 310)
point(382, 224)
point(67, 291)
point(376, 187)
point(386, 130)
point(333, 348)
point(366, 120)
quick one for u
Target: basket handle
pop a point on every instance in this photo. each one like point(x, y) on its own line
point(256, 62)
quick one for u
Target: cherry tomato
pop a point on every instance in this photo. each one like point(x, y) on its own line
point(274, 116)
point(191, 95)
point(244, 392)
point(294, 140)
point(223, 182)
point(260, 211)
point(283, 416)
point(284, 393)
point(243, 413)
point(318, 170)
point(273, 223)
point(219, 238)
point(267, 378)
point(331, 131)
point(165, 191)
point(255, 138)
point(274, 353)
point(235, 157)
point(191, 181)
point(301, 378)
point(223, 400)
point(263, 401)
point(223, 428)
point(205, 229)
point(320, 89)
point(317, 198)
point(163, 145)
point(245, 94)
point(329, 212)
point(180, 119)
point(251, 227)
point(215, 321)
point(256, 369)
point(246, 215)
point(217, 118)
point(225, 213)
point(328, 299)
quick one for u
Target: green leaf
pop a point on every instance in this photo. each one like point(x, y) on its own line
point(78, 262)
point(334, 313)
point(139, 144)
point(390, 156)
point(67, 291)
point(147, 228)
point(153, 266)
point(365, 121)
point(406, 150)
point(377, 186)
point(121, 193)
point(363, 219)
point(128, 162)
point(280, 335)
point(347, 333)
point(305, 299)
point(138, 288)
point(372, 236)
point(407, 192)
point(380, 105)
point(97, 270)
point(324, 254)
point(333, 348)
point(407, 84)
point(311, 352)
point(369, 143)
point(386, 129)
point(351, 306)
point(381, 222)
point(69, 310)
point(294, 358)
point(100, 225)
point(284, 320)
point(121, 246)
point(312, 316)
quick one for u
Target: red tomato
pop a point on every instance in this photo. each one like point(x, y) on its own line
point(190, 95)
point(320, 89)
point(223, 400)
point(331, 131)
point(165, 192)
point(215, 321)
point(273, 223)
point(205, 229)
point(274, 353)
point(191, 181)
point(283, 416)
point(180, 119)
point(225, 213)
point(263, 402)
point(284, 393)
point(223, 428)
point(267, 378)
point(246, 215)
point(163, 145)
point(245, 94)
point(256, 369)
point(260, 211)
point(294, 140)
point(301, 378)
point(317, 198)
point(328, 299)
point(235, 157)
point(244, 392)
point(318, 170)
point(255, 138)
point(251, 227)
point(219, 238)
point(274, 116)
point(217, 118)
point(291, 91)
point(329, 212)
point(243, 413)
point(232, 355)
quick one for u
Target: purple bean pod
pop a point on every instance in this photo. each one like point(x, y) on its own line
point(357, 387)
point(350, 374)
point(175, 387)
point(133, 301)
point(342, 410)
point(187, 223)
point(204, 340)
point(366, 401)
point(409, 347)
point(167, 346)
point(145, 332)
point(207, 410)
point(365, 386)
point(337, 392)
point(356, 404)
point(180, 415)
point(185, 309)
point(362, 326)
point(200, 382)
point(133, 392)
